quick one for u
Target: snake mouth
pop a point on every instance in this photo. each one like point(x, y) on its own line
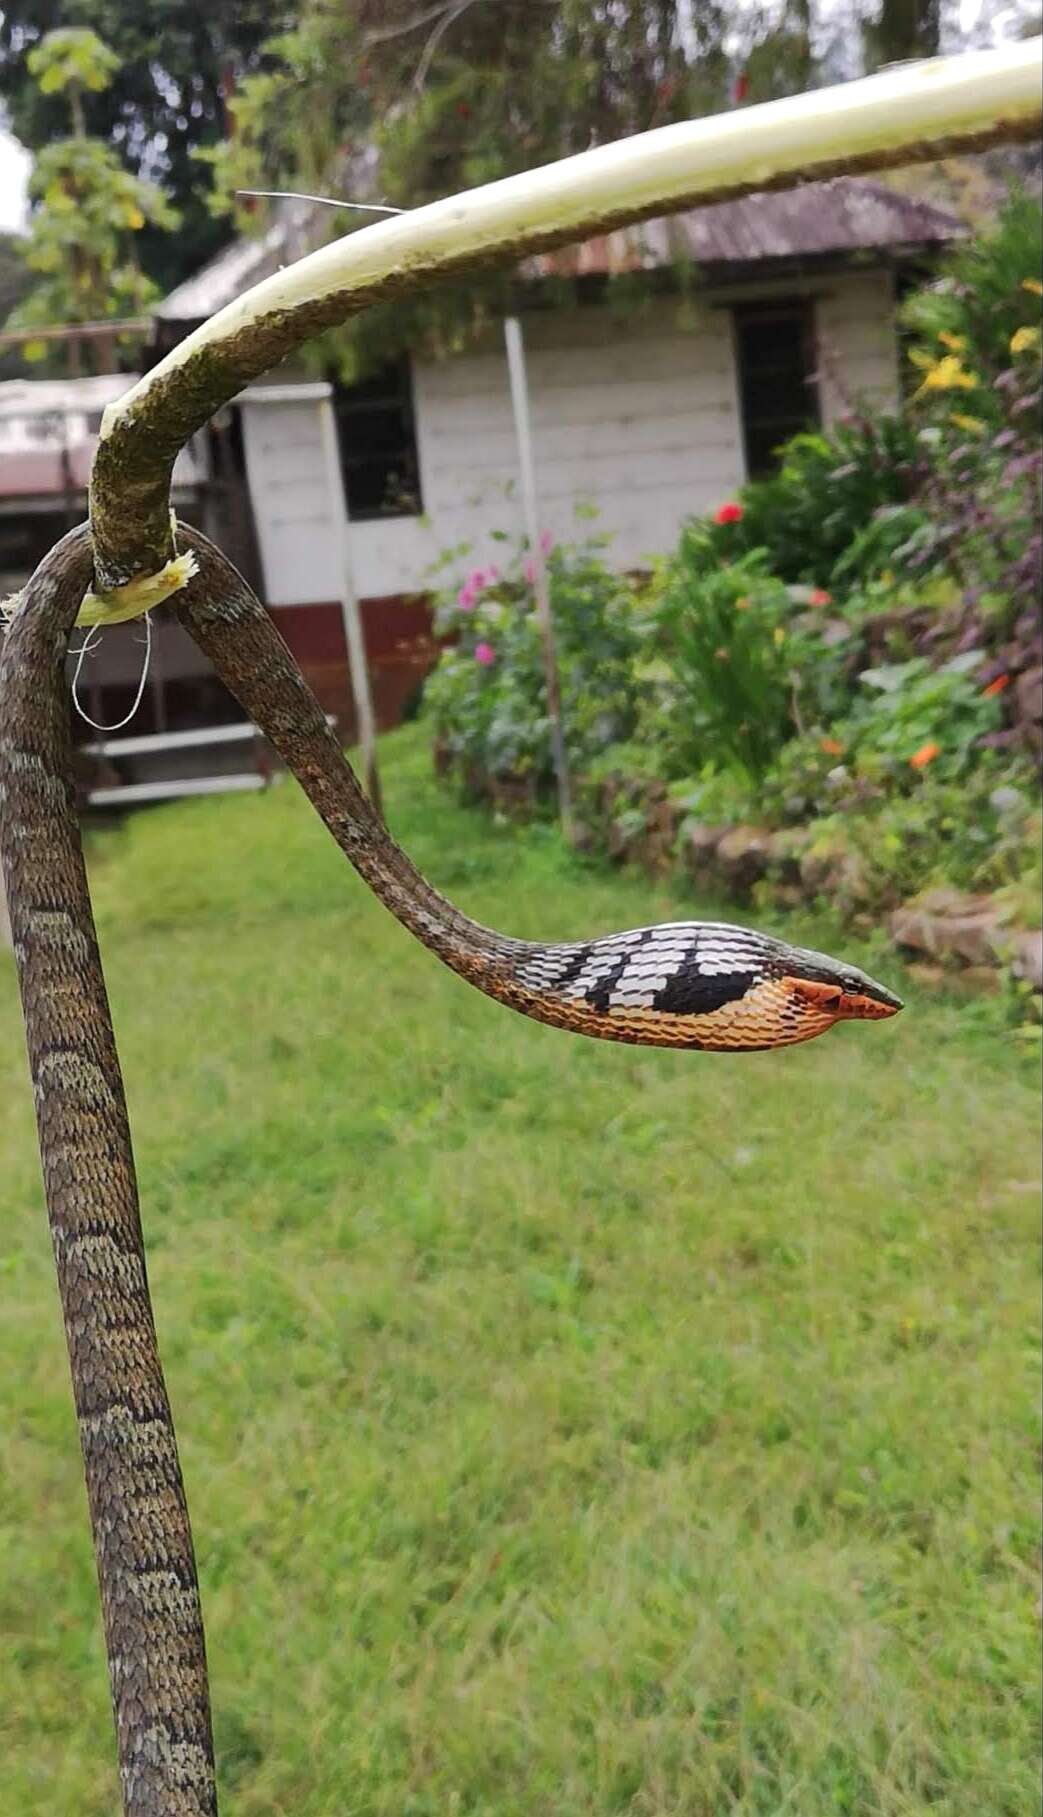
point(871, 1004)
point(860, 1006)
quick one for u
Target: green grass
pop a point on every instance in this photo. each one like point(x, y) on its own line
point(568, 1428)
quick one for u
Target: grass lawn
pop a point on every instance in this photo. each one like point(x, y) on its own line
point(568, 1428)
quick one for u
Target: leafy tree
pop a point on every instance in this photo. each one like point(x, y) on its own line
point(395, 100)
point(88, 208)
point(179, 61)
point(401, 101)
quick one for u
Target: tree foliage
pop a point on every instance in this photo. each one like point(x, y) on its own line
point(394, 100)
point(442, 94)
point(88, 208)
point(176, 58)
point(404, 102)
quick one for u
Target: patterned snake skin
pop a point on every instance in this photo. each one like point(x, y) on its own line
point(688, 984)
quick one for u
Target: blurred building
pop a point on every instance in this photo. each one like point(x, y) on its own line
point(745, 322)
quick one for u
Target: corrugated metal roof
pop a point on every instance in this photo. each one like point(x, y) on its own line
point(49, 431)
point(845, 216)
point(25, 397)
point(230, 273)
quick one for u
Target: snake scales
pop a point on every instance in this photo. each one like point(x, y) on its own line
point(695, 985)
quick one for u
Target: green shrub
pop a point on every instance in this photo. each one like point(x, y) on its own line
point(976, 834)
point(487, 698)
point(828, 491)
point(986, 292)
point(912, 716)
point(747, 656)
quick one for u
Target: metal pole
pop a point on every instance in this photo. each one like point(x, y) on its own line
point(520, 404)
point(349, 604)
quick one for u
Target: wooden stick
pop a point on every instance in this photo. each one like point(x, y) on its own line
point(541, 588)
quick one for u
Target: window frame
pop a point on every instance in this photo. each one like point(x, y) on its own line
point(399, 395)
point(803, 308)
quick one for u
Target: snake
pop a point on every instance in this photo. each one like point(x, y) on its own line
point(699, 985)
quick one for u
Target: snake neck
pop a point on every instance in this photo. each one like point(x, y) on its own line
point(689, 984)
point(226, 620)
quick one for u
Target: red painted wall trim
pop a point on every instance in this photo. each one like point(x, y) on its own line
point(400, 649)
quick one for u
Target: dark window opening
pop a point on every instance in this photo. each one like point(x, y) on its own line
point(26, 537)
point(778, 392)
point(377, 439)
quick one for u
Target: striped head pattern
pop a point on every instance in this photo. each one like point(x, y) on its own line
point(699, 984)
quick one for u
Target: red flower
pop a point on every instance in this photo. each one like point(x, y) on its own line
point(925, 755)
point(730, 513)
point(819, 597)
point(740, 88)
point(997, 686)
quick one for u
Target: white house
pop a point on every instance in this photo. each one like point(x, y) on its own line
point(748, 321)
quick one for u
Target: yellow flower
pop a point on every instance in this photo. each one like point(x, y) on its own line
point(780, 635)
point(972, 424)
point(949, 375)
point(1024, 339)
point(956, 342)
point(1032, 285)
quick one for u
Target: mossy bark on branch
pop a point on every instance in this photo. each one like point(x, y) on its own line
point(901, 117)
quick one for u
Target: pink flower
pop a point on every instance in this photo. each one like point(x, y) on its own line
point(485, 654)
point(731, 513)
point(467, 596)
point(529, 569)
point(546, 541)
point(478, 579)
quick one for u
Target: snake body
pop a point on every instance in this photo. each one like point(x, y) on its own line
point(688, 984)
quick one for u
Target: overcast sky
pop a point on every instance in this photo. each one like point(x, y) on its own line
point(981, 17)
point(14, 174)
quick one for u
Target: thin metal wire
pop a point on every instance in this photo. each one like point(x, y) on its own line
point(89, 643)
point(297, 195)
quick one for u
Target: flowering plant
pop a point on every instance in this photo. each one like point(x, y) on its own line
point(487, 698)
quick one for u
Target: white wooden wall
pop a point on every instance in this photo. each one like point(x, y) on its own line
point(635, 417)
point(857, 344)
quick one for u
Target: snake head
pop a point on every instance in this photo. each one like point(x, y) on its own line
point(836, 992)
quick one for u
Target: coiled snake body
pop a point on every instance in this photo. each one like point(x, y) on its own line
point(688, 984)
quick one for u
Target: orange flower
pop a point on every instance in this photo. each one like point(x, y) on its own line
point(831, 747)
point(925, 755)
point(997, 686)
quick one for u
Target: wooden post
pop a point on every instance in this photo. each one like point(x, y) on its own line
point(520, 404)
point(353, 636)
